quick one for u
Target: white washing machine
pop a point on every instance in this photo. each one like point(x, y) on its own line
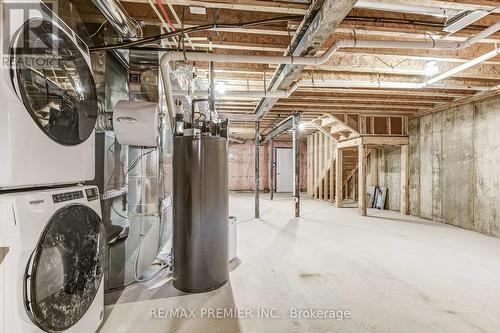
point(52, 252)
point(48, 99)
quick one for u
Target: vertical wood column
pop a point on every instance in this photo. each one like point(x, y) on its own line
point(309, 166)
point(315, 165)
point(321, 164)
point(405, 157)
point(296, 162)
point(362, 179)
point(373, 167)
point(338, 179)
point(271, 169)
point(257, 169)
point(332, 171)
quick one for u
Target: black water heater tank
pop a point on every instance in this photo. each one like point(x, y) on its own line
point(200, 213)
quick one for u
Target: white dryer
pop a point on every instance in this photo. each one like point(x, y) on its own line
point(48, 99)
point(52, 249)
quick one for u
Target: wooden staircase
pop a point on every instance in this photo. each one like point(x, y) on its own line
point(321, 165)
point(354, 137)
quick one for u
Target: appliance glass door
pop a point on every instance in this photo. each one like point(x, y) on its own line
point(53, 79)
point(66, 268)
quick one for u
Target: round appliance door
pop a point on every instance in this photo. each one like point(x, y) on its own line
point(53, 79)
point(66, 269)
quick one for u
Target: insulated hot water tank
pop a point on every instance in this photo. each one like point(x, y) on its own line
point(200, 213)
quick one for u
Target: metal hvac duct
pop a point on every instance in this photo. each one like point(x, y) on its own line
point(123, 23)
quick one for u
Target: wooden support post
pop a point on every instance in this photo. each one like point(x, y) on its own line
point(373, 167)
point(271, 169)
point(332, 171)
point(257, 167)
point(405, 207)
point(309, 165)
point(338, 179)
point(362, 179)
point(321, 164)
point(296, 162)
point(315, 165)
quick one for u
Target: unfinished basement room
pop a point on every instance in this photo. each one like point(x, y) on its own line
point(253, 166)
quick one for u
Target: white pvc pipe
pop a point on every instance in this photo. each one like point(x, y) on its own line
point(358, 84)
point(403, 8)
point(462, 67)
point(314, 61)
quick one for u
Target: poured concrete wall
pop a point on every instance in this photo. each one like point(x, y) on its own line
point(389, 174)
point(487, 167)
point(455, 166)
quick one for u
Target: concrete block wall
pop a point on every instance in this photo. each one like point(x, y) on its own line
point(454, 167)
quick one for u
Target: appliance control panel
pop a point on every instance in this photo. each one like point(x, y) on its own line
point(92, 194)
point(68, 196)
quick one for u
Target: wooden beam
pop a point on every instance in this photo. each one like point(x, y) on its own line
point(296, 163)
point(338, 179)
point(271, 169)
point(373, 167)
point(257, 170)
point(321, 164)
point(316, 27)
point(309, 166)
point(245, 5)
point(362, 180)
point(332, 171)
point(461, 101)
point(315, 164)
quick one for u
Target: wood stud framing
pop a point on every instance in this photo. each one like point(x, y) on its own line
point(349, 64)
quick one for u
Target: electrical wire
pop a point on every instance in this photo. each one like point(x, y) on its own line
point(203, 27)
point(137, 160)
point(99, 29)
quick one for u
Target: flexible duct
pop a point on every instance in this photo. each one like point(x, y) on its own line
point(121, 21)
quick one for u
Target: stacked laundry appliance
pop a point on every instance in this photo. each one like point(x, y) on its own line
point(52, 242)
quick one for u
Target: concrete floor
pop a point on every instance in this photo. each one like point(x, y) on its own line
point(392, 273)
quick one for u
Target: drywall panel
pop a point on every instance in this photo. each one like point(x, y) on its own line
point(487, 167)
point(457, 174)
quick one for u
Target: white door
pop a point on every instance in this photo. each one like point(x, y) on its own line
point(284, 170)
